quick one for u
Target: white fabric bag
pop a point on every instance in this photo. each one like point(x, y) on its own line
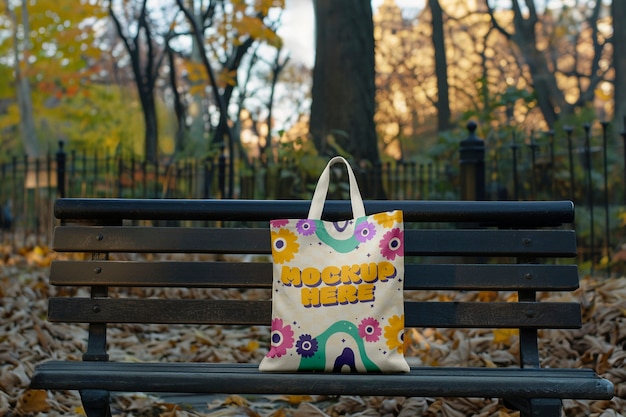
point(337, 300)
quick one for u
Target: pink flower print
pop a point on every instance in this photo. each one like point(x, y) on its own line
point(392, 244)
point(305, 227)
point(364, 231)
point(369, 329)
point(279, 223)
point(281, 339)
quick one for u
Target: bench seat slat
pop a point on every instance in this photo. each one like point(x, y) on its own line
point(246, 379)
point(417, 314)
point(432, 242)
point(258, 275)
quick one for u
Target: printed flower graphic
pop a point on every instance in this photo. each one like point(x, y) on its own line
point(392, 244)
point(388, 219)
point(306, 346)
point(305, 227)
point(369, 329)
point(284, 245)
point(279, 223)
point(394, 333)
point(281, 339)
point(364, 231)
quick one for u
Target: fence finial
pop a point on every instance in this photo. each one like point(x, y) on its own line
point(472, 165)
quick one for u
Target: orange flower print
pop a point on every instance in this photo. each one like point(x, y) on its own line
point(388, 219)
point(284, 245)
point(394, 333)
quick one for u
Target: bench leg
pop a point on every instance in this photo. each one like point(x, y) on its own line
point(96, 403)
point(549, 407)
point(537, 407)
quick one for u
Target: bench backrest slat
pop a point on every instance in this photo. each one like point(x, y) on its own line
point(417, 314)
point(495, 213)
point(465, 242)
point(509, 277)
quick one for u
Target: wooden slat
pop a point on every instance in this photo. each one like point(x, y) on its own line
point(554, 243)
point(503, 213)
point(246, 379)
point(417, 314)
point(189, 274)
point(493, 315)
point(258, 275)
point(256, 241)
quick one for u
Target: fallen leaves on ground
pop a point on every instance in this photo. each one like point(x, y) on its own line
point(26, 339)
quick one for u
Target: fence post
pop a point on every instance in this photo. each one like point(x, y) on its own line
point(472, 165)
point(570, 152)
point(221, 173)
point(552, 162)
point(532, 147)
point(624, 151)
point(61, 158)
point(587, 128)
point(607, 225)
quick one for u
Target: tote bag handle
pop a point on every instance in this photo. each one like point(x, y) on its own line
point(319, 196)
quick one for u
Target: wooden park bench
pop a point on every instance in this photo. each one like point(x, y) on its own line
point(449, 246)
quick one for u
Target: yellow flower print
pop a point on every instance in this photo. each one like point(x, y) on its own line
point(284, 245)
point(388, 219)
point(394, 333)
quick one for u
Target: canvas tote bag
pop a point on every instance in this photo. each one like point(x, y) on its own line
point(337, 299)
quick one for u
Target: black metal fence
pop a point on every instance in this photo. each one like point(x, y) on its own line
point(582, 164)
point(29, 186)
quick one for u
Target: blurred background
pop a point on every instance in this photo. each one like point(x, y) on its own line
point(248, 98)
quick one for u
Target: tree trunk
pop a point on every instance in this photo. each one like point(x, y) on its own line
point(618, 11)
point(180, 138)
point(145, 69)
point(549, 97)
point(151, 124)
point(343, 82)
point(24, 97)
point(441, 67)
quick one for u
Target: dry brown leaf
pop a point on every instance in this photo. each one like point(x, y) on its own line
point(368, 412)
point(248, 412)
point(487, 296)
point(235, 400)
point(281, 412)
point(413, 407)
point(33, 401)
point(448, 410)
point(434, 409)
point(295, 399)
point(348, 404)
point(506, 413)
point(504, 336)
point(308, 410)
point(251, 346)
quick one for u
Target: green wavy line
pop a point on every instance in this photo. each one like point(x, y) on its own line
point(342, 246)
point(318, 360)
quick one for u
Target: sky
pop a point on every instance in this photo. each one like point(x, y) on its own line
point(298, 29)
